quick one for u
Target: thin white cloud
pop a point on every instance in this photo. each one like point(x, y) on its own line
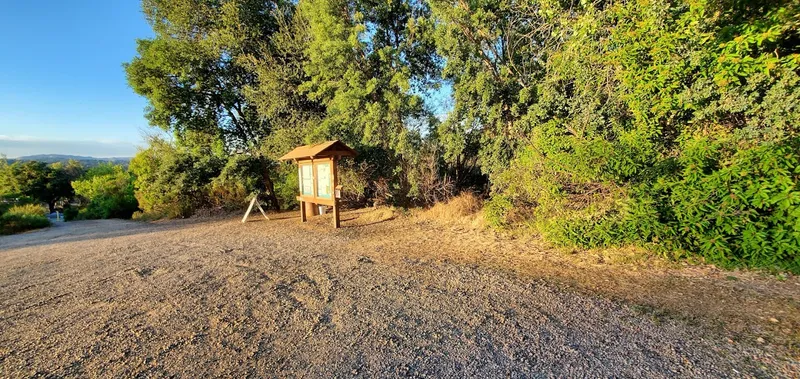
point(18, 138)
point(17, 146)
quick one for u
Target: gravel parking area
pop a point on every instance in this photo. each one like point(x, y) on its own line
point(214, 297)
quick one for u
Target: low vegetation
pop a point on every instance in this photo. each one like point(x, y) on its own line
point(106, 191)
point(21, 218)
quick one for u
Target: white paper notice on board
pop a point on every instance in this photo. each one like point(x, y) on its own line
point(324, 180)
point(307, 180)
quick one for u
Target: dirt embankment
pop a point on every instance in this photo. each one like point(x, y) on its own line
point(379, 297)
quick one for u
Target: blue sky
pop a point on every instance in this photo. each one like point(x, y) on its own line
point(62, 85)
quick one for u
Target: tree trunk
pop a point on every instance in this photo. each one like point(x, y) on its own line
point(271, 192)
point(269, 186)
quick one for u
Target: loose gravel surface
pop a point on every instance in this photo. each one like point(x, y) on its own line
point(214, 297)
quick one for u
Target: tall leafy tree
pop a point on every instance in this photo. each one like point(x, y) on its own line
point(279, 67)
point(194, 72)
point(39, 181)
point(368, 61)
point(495, 52)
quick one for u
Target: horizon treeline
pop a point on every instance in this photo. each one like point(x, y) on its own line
point(671, 125)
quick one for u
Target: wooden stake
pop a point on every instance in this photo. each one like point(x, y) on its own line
point(258, 204)
point(249, 209)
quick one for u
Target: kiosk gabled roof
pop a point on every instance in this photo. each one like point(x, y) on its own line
point(324, 149)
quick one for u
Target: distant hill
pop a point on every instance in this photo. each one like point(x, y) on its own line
point(86, 161)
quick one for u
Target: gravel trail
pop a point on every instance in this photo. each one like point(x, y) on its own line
point(214, 297)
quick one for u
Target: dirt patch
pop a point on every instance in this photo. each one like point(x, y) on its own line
point(753, 306)
point(382, 296)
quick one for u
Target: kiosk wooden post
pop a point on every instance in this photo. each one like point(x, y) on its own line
point(337, 193)
point(318, 177)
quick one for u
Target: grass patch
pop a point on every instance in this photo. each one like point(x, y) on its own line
point(21, 218)
point(462, 209)
point(379, 214)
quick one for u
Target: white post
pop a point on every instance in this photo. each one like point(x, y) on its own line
point(249, 209)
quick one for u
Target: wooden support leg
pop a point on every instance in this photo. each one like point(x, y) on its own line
point(258, 204)
point(336, 223)
point(249, 209)
point(302, 211)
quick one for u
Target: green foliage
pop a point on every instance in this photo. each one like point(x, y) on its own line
point(496, 211)
point(171, 180)
point(362, 66)
point(108, 189)
point(177, 178)
point(8, 182)
point(39, 181)
point(286, 185)
point(736, 203)
point(671, 125)
point(196, 74)
point(71, 213)
point(493, 58)
point(192, 70)
point(666, 124)
point(241, 177)
point(22, 218)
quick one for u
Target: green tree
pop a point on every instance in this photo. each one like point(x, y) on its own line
point(601, 122)
point(60, 178)
point(31, 178)
point(277, 94)
point(194, 71)
point(368, 62)
point(495, 52)
point(8, 182)
point(108, 188)
point(40, 182)
point(173, 178)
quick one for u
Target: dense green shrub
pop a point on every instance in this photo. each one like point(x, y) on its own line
point(671, 125)
point(730, 203)
point(108, 191)
point(496, 211)
point(738, 203)
point(171, 181)
point(71, 213)
point(241, 177)
point(178, 178)
point(21, 218)
point(286, 185)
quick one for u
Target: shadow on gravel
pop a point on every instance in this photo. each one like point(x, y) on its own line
point(287, 215)
point(364, 225)
point(74, 231)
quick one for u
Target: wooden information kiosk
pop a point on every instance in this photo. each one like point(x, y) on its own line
point(319, 182)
